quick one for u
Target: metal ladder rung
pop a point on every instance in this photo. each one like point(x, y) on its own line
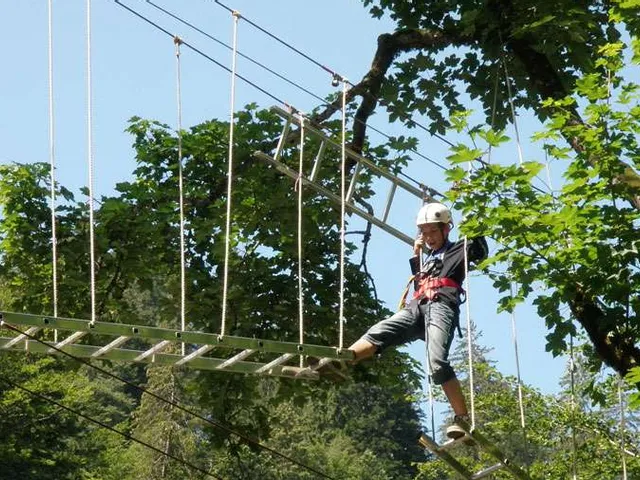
point(73, 338)
point(353, 155)
point(354, 181)
point(235, 359)
point(155, 349)
point(460, 469)
point(321, 363)
point(335, 198)
point(453, 442)
point(318, 160)
point(283, 137)
point(30, 332)
point(278, 361)
point(390, 197)
point(493, 451)
point(487, 471)
point(198, 353)
point(114, 344)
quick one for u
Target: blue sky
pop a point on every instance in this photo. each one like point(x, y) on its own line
point(134, 74)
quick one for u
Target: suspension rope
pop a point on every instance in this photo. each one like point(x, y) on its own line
point(183, 275)
point(298, 186)
point(288, 80)
point(334, 74)
point(260, 89)
point(493, 109)
point(513, 111)
point(343, 200)
point(472, 398)
point(472, 403)
point(430, 395)
point(52, 160)
point(574, 443)
point(227, 242)
point(514, 337)
point(515, 124)
point(92, 247)
point(200, 52)
point(429, 377)
point(209, 420)
point(240, 54)
point(622, 429)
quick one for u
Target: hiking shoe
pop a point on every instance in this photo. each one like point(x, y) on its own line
point(455, 431)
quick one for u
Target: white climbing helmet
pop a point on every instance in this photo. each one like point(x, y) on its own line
point(434, 213)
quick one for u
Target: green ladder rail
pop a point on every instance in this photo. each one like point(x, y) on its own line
point(200, 358)
point(472, 435)
point(362, 164)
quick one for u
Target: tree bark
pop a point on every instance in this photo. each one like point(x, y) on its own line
point(616, 350)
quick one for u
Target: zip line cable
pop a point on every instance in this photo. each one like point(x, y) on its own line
point(210, 421)
point(277, 39)
point(107, 427)
point(92, 247)
point(331, 72)
point(290, 82)
point(52, 160)
point(200, 52)
point(240, 54)
point(183, 274)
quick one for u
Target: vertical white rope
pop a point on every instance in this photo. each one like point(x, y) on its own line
point(343, 174)
point(514, 337)
point(183, 282)
point(426, 347)
point(52, 160)
point(574, 446)
point(92, 248)
point(227, 241)
point(622, 429)
point(493, 110)
point(472, 397)
point(429, 380)
point(513, 112)
point(299, 189)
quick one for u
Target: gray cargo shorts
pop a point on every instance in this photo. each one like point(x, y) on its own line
point(407, 325)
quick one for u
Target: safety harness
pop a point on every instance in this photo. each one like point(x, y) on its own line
point(428, 288)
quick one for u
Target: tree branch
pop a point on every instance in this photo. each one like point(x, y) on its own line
point(390, 45)
point(616, 350)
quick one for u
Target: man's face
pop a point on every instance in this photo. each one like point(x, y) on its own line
point(432, 235)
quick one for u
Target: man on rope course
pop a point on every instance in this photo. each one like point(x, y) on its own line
point(434, 311)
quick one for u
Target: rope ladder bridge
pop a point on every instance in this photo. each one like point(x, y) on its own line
point(222, 352)
point(276, 356)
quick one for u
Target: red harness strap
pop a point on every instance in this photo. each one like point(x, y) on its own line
point(428, 287)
